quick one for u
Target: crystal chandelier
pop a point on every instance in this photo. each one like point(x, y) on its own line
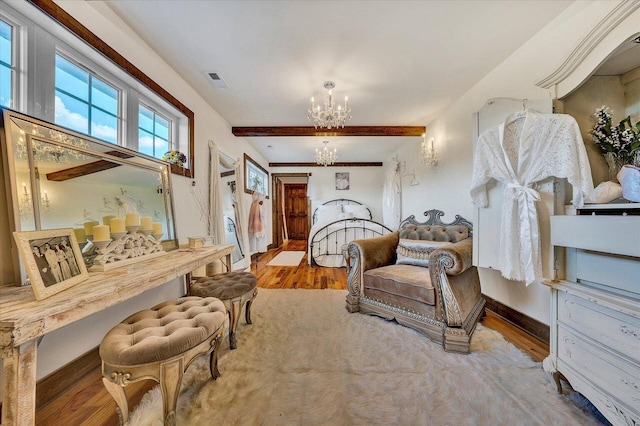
point(428, 154)
point(330, 116)
point(326, 157)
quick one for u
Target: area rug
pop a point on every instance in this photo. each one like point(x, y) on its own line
point(306, 361)
point(287, 258)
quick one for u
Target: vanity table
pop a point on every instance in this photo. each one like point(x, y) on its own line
point(23, 320)
point(595, 307)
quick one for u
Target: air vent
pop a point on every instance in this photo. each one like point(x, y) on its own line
point(217, 80)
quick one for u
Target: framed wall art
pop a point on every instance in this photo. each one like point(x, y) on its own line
point(52, 259)
point(342, 181)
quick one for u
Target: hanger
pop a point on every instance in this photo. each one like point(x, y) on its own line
point(105, 206)
point(85, 217)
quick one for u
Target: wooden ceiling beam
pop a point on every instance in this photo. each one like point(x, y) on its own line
point(345, 164)
point(344, 131)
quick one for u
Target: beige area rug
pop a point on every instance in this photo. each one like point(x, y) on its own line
point(306, 361)
point(287, 258)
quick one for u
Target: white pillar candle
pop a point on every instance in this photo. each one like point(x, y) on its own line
point(101, 233)
point(117, 225)
point(145, 221)
point(106, 220)
point(132, 219)
point(88, 226)
point(80, 235)
point(157, 228)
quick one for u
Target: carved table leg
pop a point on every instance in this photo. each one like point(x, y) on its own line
point(19, 385)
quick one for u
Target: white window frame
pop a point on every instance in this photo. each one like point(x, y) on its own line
point(251, 165)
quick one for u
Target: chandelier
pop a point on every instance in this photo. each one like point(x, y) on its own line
point(428, 154)
point(326, 157)
point(330, 116)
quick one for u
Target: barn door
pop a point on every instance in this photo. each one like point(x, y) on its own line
point(296, 211)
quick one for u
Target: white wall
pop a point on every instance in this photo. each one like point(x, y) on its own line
point(448, 188)
point(66, 344)
point(365, 186)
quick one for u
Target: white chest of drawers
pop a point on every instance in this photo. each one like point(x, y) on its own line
point(595, 310)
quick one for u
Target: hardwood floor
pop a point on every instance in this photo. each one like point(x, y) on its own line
point(88, 403)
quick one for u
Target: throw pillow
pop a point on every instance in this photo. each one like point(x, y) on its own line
point(359, 211)
point(417, 252)
point(326, 214)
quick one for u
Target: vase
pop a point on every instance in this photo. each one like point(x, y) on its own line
point(614, 163)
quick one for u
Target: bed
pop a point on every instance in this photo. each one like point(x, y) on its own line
point(335, 224)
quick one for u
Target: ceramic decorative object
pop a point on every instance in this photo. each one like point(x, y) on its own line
point(629, 178)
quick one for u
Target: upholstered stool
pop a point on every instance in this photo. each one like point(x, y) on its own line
point(234, 289)
point(159, 344)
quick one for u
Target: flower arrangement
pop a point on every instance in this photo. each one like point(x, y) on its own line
point(622, 141)
point(174, 157)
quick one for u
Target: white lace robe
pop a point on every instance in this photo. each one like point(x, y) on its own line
point(527, 148)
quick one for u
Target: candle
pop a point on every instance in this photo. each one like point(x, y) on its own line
point(88, 226)
point(157, 228)
point(80, 235)
point(117, 225)
point(145, 221)
point(106, 220)
point(101, 233)
point(132, 219)
point(24, 188)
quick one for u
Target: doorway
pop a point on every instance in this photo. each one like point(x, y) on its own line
point(296, 211)
point(290, 207)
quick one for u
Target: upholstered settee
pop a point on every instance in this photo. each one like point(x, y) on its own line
point(422, 277)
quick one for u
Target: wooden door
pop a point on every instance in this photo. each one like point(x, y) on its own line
point(296, 211)
point(278, 213)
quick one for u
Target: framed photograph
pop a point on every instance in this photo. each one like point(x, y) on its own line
point(53, 260)
point(342, 181)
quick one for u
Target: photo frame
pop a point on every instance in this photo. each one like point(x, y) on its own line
point(53, 260)
point(342, 181)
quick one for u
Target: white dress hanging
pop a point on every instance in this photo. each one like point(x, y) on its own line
point(527, 148)
point(391, 197)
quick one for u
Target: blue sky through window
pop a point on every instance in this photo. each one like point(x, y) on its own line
point(84, 102)
point(5, 63)
point(153, 133)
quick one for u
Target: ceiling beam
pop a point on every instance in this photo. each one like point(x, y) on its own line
point(360, 164)
point(344, 131)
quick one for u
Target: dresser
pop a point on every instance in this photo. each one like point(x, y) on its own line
point(595, 307)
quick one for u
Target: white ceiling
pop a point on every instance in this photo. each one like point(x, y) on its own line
point(400, 62)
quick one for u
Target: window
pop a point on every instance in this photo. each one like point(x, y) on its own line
point(154, 133)
point(6, 61)
point(84, 102)
point(60, 78)
point(255, 177)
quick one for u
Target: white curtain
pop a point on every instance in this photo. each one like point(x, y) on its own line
point(391, 197)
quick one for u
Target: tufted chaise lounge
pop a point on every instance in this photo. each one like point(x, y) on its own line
point(235, 289)
point(159, 344)
point(422, 277)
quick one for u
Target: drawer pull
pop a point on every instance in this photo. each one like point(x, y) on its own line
point(630, 332)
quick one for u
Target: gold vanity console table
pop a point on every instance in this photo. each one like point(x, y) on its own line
point(23, 320)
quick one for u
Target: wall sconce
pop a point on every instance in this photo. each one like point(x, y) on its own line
point(25, 204)
point(428, 153)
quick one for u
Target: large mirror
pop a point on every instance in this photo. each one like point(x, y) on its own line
point(56, 178)
point(228, 188)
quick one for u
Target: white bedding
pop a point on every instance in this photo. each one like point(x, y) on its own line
point(326, 239)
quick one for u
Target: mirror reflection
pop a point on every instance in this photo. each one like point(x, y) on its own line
point(61, 179)
point(229, 199)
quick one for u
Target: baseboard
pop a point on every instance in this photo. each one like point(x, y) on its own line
point(48, 388)
point(527, 324)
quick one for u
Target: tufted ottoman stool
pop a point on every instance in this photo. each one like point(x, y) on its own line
point(159, 344)
point(234, 289)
